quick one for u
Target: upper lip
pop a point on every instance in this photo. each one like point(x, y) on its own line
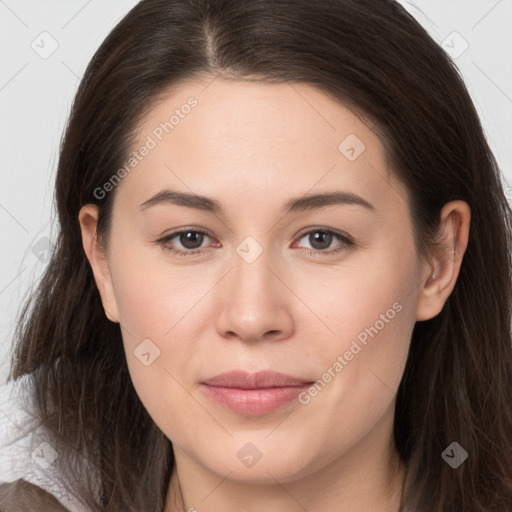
point(259, 380)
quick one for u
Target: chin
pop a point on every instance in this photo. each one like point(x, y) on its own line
point(262, 462)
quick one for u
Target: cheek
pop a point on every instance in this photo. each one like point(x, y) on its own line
point(155, 308)
point(153, 296)
point(360, 368)
point(363, 339)
point(162, 309)
point(373, 300)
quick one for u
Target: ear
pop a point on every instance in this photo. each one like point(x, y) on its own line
point(97, 256)
point(440, 276)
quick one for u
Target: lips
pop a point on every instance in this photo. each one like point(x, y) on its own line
point(244, 380)
point(253, 393)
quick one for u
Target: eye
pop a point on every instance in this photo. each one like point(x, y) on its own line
point(321, 239)
point(190, 239)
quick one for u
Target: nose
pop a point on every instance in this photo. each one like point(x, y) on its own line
point(255, 301)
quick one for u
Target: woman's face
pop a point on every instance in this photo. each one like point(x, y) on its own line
point(288, 277)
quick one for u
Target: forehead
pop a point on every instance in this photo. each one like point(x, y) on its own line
point(230, 137)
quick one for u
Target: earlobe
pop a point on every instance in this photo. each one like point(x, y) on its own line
point(96, 254)
point(441, 274)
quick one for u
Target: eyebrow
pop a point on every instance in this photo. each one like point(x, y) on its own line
point(306, 202)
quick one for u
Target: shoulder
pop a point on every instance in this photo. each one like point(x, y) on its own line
point(20, 495)
point(17, 424)
point(27, 457)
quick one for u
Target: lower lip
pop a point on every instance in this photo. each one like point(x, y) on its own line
point(254, 401)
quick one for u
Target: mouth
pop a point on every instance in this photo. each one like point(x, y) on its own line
point(254, 393)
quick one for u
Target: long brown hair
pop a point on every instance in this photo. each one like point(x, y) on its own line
point(372, 56)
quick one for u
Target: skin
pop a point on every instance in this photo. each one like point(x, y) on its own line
point(253, 147)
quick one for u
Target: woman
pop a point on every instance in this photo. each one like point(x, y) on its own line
point(236, 368)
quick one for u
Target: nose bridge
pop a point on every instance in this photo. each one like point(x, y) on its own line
point(252, 278)
point(254, 301)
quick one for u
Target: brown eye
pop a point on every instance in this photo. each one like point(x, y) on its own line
point(190, 241)
point(321, 239)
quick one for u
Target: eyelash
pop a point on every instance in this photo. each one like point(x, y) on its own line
point(346, 242)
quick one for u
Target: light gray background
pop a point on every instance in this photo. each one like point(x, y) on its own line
point(36, 90)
